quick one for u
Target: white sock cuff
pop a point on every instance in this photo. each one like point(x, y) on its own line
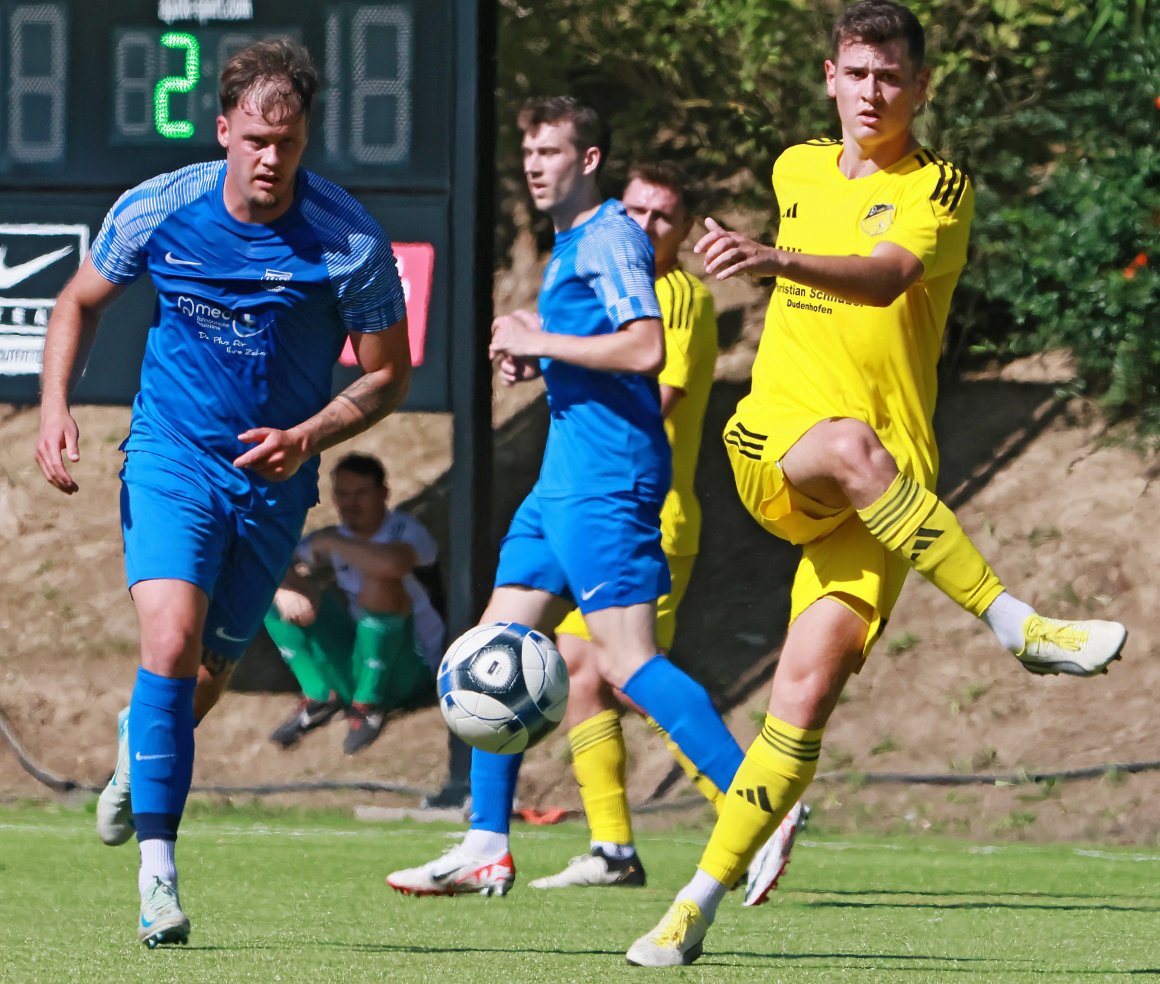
point(1005, 616)
point(706, 891)
point(616, 852)
point(157, 861)
point(486, 844)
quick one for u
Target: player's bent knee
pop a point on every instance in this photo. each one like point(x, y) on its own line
point(857, 455)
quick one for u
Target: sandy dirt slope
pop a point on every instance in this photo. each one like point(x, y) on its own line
point(1066, 513)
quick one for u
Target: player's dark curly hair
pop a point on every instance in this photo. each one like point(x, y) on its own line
point(590, 129)
point(364, 465)
point(275, 76)
point(879, 21)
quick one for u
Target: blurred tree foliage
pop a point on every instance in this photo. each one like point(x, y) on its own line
point(1052, 105)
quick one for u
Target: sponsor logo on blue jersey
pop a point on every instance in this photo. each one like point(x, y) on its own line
point(216, 324)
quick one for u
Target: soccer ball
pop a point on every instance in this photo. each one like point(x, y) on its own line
point(502, 687)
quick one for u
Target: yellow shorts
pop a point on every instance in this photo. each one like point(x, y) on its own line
point(840, 559)
point(680, 570)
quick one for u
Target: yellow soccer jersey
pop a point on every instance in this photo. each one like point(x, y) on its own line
point(821, 356)
point(690, 356)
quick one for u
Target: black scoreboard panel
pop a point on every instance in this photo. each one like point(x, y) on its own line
point(104, 93)
point(98, 95)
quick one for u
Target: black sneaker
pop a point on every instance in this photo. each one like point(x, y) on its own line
point(366, 724)
point(453, 796)
point(308, 715)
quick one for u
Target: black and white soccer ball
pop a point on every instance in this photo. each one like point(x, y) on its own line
point(502, 687)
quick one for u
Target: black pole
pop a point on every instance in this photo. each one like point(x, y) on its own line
point(472, 225)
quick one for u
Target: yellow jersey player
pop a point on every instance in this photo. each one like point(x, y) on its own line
point(834, 448)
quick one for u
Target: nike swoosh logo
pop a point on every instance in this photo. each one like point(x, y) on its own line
point(222, 634)
point(151, 758)
point(176, 261)
point(585, 595)
point(146, 923)
point(11, 276)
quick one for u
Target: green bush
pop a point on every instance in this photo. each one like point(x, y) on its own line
point(1065, 247)
point(1049, 104)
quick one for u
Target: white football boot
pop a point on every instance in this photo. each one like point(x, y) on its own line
point(162, 920)
point(676, 940)
point(772, 858)
point(1051, 645)
point(115, 807)
point(457, 872)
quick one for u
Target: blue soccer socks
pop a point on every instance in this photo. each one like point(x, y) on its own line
point(683, 708)
point(493, 790)
point(161, 740)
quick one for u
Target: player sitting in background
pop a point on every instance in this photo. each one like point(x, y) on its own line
point(221, 462)
point(373, 643)
point(834, 447)
point(657, 197)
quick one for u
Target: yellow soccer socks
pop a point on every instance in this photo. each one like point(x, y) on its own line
point(914, 524)
point(599, 761)
point(776, 770)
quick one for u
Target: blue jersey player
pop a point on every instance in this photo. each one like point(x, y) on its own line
point(262, 271)
point(588, 534)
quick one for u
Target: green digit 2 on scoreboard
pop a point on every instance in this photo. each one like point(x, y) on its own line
point(98, 95)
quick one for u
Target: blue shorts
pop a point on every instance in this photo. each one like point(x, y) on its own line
point(602, 551)
point(177, 525)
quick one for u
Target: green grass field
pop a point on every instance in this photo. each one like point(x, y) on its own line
point(299, 896)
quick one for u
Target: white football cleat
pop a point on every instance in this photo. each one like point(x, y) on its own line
point(457, 872)
point(162, 920)
point(1052, 645)
point(676, 940)
point(772, 857)
point(115, 806)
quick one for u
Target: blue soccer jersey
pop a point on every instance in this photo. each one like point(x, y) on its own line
point(606, 432)
point(250, 318)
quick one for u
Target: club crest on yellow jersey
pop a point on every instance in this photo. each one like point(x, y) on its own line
point(877, 220)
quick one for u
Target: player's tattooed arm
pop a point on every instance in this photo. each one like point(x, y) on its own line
point(370, 401)
point(385, 359)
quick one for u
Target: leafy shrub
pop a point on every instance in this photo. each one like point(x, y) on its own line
point(1065, 248)
point(1049, 104)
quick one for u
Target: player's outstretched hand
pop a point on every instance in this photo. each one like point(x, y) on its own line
point(278, 454)
point(59, 439)
point(730, 253)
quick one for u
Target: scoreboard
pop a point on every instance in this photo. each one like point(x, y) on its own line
point(98, 95)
